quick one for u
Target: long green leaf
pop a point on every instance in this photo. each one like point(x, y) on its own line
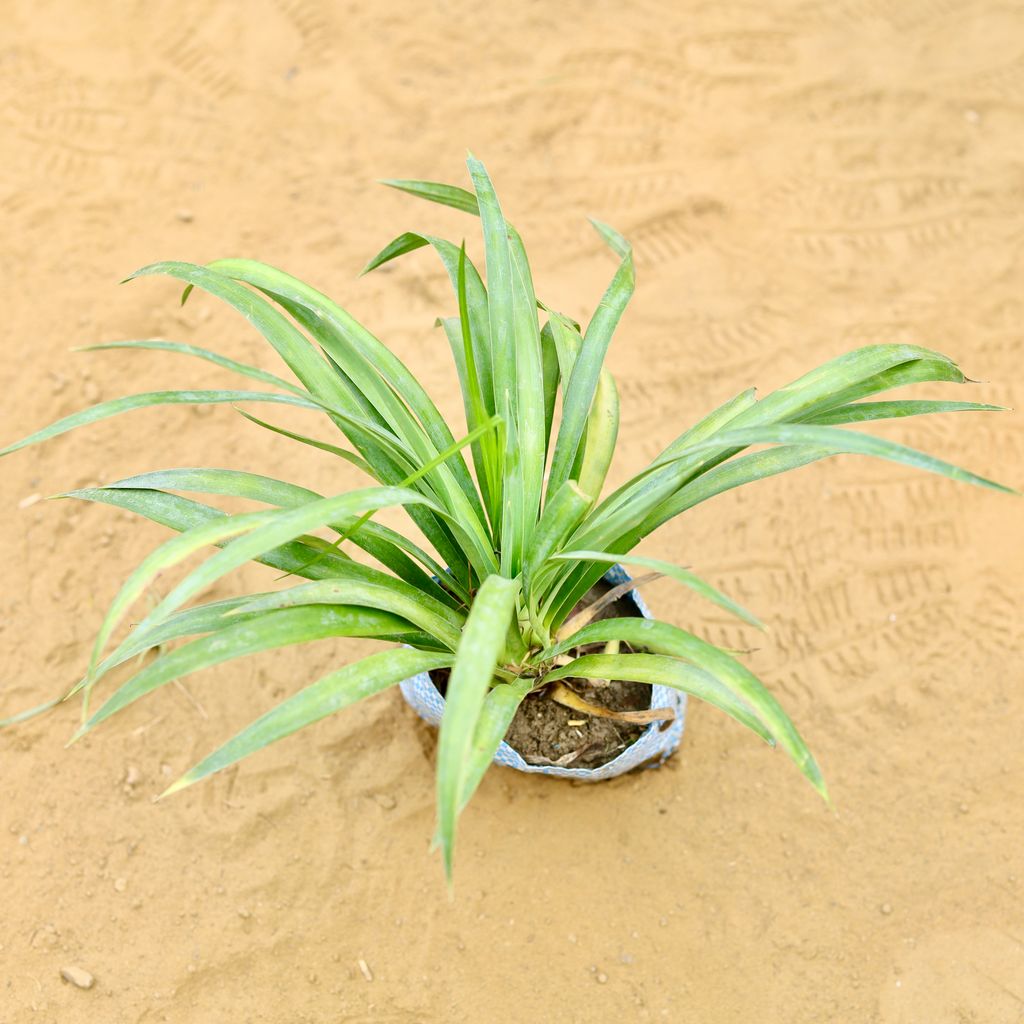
point(23, 716)
point(367, 588)
point(561, 516)
point(234, 482)
point(662, 638)
point(735, 473)
point(601, 434)
point(202, 619)
point(119, 405)
point(586, 370)
point(517, 371)
point(488, 456)
point(475, 661)
point(863, 412)
point(476, 299)
point(435, 192)
point(500, 707)
point(489, 462)
point(386, 545)
point(181, 514)
point(659, 670)
point(815, 391)
point(676, 572)
point(158, 344)
point(264, 632)
point(330, 694)
point(918, 366)
point(551, 372)
point(848, 442)
point(282, 527)
point(323, 446)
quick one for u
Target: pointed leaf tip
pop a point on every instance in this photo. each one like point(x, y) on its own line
point(77, 735)
point(177, 786)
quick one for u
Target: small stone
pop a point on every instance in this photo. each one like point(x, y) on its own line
point(185, 216)
point(886, 908)
point(77, 976)
point(963, 808)
point(132, 776)
point(244, 913)
point(120, 884)
point(31, 500)
point(23, 840)
point(385, 800)
point(364, 969)
point(601, 978)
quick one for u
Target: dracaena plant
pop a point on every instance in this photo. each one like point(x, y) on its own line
point(519, 533)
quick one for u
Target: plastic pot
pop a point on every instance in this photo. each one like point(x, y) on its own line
point(654, 745)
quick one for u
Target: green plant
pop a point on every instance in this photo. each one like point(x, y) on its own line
point(517, 543)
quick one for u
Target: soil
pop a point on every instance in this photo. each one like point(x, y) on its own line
point(798, 177)
point(547, 733)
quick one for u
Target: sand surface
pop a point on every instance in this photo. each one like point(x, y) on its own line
point(798, 179)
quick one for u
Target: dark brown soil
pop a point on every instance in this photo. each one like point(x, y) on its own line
point(548, 733)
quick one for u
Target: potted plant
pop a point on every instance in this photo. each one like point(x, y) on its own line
point(518, 622)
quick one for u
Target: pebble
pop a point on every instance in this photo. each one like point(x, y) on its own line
point(886, 908)
point(385, 800)
point(185, 216)
point(77, 976)
point(120, 884)
point(244, 913)
point(963, 808)
point(364, 969)
point(601, 978)
point(32, 499)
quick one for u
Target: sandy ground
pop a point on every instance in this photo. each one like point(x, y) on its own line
point(798, 179)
